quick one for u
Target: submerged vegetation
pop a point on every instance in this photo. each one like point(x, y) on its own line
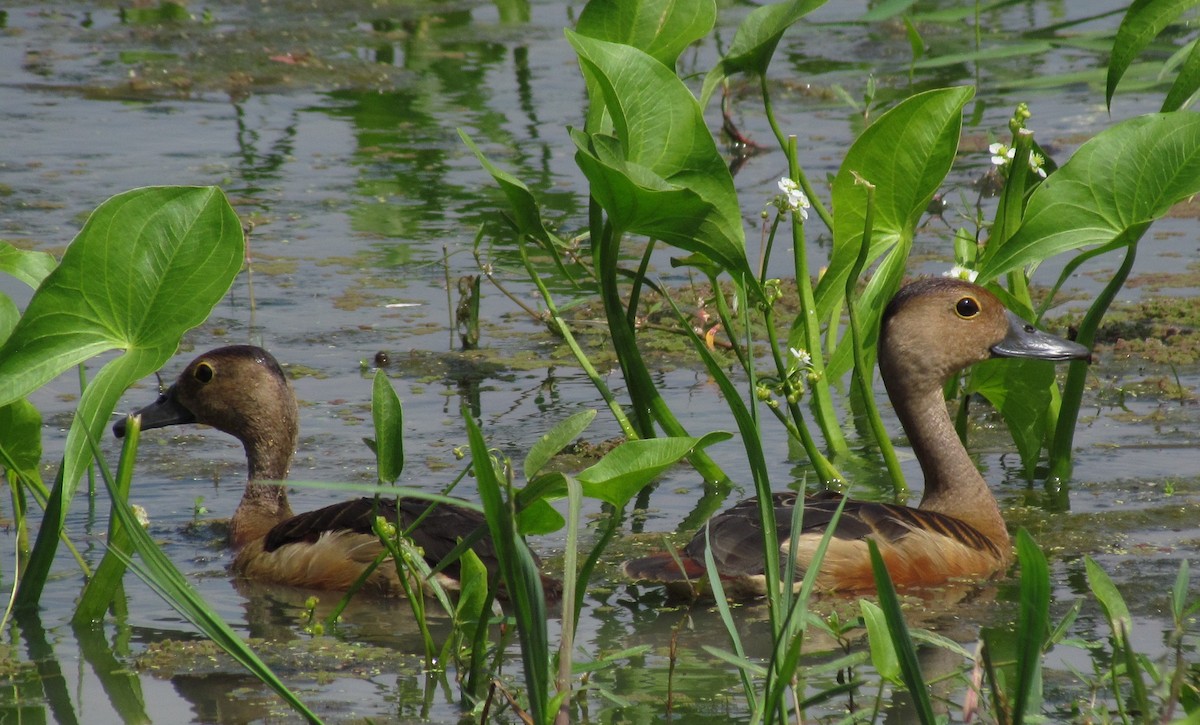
point(657, 177)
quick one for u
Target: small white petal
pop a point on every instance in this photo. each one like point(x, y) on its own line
point(960, 272)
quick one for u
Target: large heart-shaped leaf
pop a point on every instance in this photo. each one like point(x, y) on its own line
point(1109, 191)
point(1022, 391)
point(1144, 20)
point(756, 40)
point(659, 173)
point(659, 28)
point(905, 154)
point(148, 265)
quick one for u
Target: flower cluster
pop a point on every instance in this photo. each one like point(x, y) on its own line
point(801, 356)
point(792, 199)
point(1002, 155)
point(960, 272)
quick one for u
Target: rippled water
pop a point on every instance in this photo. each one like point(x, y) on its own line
point(332, 127)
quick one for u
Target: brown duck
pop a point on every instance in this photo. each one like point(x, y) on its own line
point(931, 330)
point(241, 390)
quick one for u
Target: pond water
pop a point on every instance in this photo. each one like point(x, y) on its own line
point(332, 128)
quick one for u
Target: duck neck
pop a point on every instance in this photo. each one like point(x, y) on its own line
point(264, 502)
point(953, 486)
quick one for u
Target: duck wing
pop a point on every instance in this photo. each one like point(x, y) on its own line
point(438, 531)
point(736, 537)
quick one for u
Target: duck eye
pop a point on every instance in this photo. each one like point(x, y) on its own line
point(203, 372)
point(967, 308)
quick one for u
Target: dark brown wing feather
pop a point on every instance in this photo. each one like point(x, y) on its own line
point(736, 535)
point(437, 534)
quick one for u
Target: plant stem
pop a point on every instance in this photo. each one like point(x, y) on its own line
point(1064, 433)
point(862, 373)
point(560, 324)
point(826, 471)
point(648, 405)
point(794, 169)
point(822, 399)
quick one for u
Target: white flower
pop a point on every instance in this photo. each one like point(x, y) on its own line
point(960, 272)
point(1001, 153)
point(1036, 162)
point(803, 359)
point(794, 198)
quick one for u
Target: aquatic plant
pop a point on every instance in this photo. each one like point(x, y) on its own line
point(658, 177)
point(655, 175)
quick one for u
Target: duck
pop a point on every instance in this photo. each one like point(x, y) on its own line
point(242, 390)
point(931, 330)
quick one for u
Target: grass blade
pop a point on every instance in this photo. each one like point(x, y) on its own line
point(1033, 624)
point(1119, 619)
point(160, 573)
point(520, 575)
point(910, 668)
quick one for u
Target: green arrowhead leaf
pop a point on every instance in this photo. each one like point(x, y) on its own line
point(660, 28)
point(1021, 391)
point(629, 467)
point(1144, 20)
point(554, 440)
point(756, 40)
point(1110, 191)
point(659, 172)
point(147, 266)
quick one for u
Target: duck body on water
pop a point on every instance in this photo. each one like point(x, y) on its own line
point(931, 330)
point(242, 390)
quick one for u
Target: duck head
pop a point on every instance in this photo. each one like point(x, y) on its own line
point(240, 390)
point(937, 326)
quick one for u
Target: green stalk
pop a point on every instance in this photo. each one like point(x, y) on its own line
point(635, 290)
point(632, 367)
point(1012, 206)
point(91, 471)
point(1033, 624)
point(826, 471)
point(794, 169)
point(521, 577)
point(37, 568)
point(765, 257)
point(862, 373)
point(590, 370)
point(1064, 433)
point(648, 405)
point(570, 616)
point(795, 425)
point(414, 575)
point(105, 582)
point(910, 667)
point(822, 399)
point(785, 660)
